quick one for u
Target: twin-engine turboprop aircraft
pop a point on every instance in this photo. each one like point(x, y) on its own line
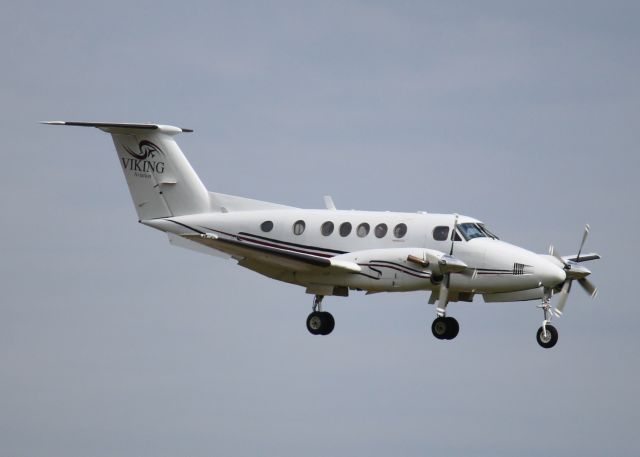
point(332, 252)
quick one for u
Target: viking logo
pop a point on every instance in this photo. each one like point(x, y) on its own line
point(148, 150)
point(144, 162)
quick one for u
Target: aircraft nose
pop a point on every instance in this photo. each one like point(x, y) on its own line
point(550, 275)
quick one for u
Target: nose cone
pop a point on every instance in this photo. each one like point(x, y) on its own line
point(550, 275)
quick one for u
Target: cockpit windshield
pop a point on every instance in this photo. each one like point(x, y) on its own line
point(470, 230)
point(486, 230)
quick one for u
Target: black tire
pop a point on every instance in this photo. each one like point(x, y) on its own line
point(440, 327)
point(550, 340)
point(328, 323)
point(315, 322)
point(453, 328)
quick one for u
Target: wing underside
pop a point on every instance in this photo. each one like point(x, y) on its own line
point(244, 251)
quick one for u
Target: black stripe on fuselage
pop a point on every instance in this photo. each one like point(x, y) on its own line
point(271, 242)
point(186, 226)
point(395, 266)
point(288, 248)
point(305, 258)
point(324, 252)
point(302, 246)
point(404, 268)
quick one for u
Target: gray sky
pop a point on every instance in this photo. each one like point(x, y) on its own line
point(113, 343)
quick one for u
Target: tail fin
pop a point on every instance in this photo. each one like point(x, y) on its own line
point(160, 179)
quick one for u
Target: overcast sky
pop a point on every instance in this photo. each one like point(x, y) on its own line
point(114, 343)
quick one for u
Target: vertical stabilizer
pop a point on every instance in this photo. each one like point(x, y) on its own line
point(161, 180)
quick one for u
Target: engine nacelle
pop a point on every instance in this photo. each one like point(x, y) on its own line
point(400, 268)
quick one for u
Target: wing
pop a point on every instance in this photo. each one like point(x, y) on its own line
point(283, 258)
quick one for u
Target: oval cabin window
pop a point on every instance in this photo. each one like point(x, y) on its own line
point(363, 230)
point(327, 228)
point(266, 226)
point(298, 228)
point(381, 230)
point(345, 229)
point(400, 230)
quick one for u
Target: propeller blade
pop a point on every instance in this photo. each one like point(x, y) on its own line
point(552, 251)
point(564, 295)
point(443, 297)
point(588, 287)
point(453, 233)
point(584, 238)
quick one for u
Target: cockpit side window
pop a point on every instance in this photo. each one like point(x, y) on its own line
point(470, 231)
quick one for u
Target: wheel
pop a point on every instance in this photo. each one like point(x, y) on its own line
point(453, 329)
point(445, 328)
point(550, 339)
point(328, 323)
point(440, 327)
point(314, 323)
point(320, 323)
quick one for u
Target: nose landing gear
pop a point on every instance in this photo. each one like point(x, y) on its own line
point(320, 322)
point(547, 335)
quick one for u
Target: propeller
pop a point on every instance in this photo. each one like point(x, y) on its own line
point(574, 271)
point(443, 296)
point(584, 238)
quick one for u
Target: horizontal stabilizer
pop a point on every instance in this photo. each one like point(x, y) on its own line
point(182, 242)
point(113, 126)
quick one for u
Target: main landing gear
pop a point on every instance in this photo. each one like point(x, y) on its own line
point(547, 335)
point(445, 328)
point(320, 322)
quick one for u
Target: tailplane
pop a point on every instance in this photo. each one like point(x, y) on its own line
point(160, 178)
point(161, 181)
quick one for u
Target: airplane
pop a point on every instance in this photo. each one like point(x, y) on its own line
point(333, 252)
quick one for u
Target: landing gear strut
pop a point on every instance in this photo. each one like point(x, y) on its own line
point(443, 327)
point(320, 322)
point(547, 335)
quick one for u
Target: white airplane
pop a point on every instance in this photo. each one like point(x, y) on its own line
point(332, 252)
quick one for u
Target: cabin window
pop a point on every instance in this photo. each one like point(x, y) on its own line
point(298, 227)
point(363, 230)
point(381, 230)
point(345, 229)
point(400, 230)
point(441, 233)
point(266, 226)
point(327, 228)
